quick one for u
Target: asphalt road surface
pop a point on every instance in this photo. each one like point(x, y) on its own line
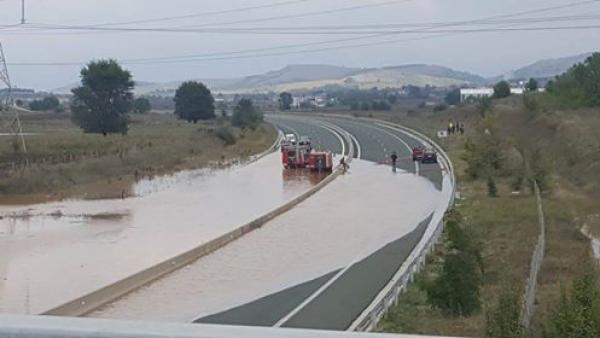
point(334, 300)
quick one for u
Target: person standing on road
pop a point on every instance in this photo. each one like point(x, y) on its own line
point(394, 158)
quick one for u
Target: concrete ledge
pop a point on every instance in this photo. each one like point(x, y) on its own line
point(92, 301)
point(53, 327)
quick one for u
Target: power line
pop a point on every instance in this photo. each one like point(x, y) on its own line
point(339, 30)
point(255, 20)
point(318, 50)
point(203, 14)
point(261, 51)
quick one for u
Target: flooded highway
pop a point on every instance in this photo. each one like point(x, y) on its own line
point(349, 220)
point(51, 253)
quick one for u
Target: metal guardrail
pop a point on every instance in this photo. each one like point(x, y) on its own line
point(388, 297)
point(536, 263)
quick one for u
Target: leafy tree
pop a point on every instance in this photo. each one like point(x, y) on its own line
point(245, 115)
point(456, 290)
point(45, 104)
point(484, 150)
point(503, 320)
point(578, 312)
point(141, 105)
point(194, 102)
point(285, 101)
point(101, 103)
point(501, 90)
point(484, 105)
point(453, 97)
point(580, 86)
point(532, 85)
point(365, 106)
point(226, 135)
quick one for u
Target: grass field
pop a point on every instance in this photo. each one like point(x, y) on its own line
point(64, 162)
point(507, 225)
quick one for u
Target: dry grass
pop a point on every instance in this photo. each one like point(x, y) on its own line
point(64, 162)
point(507, 226)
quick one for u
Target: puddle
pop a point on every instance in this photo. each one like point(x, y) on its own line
point(54, 252)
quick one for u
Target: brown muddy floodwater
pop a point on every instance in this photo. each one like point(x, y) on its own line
point(348, 220)
point(52, 253)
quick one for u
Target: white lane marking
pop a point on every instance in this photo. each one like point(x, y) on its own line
point(425, 143)
point(314, 295)
point(336, 135)
point(399, 139)
point(358, 148)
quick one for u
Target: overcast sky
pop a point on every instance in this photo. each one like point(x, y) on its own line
point(487, 54)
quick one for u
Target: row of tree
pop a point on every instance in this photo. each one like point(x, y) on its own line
point(105, 97)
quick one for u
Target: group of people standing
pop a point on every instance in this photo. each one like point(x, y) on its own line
point(456, 128)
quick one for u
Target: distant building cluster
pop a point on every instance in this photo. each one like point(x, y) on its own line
point(318, 101)
point(475, 94)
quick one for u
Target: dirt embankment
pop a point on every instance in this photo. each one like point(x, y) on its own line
point(62, 162)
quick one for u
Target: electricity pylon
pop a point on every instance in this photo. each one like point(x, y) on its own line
point(6, 101)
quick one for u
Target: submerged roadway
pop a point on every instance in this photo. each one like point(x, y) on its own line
point(321, 264)
point(334, 300)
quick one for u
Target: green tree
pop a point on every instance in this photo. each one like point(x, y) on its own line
point(194, 102)
point(580, 86)
point(45, 104)
point(578, 312)
point(453, 97)
point(532, 85)
point(285, 101)
point(141, 105)
point(457, 289)
point(245, 115)
point(101, 103)
point(501, 90)
point(483, 106)
point(484, 150)
point(503, 320)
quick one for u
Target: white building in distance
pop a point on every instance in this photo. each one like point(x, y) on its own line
point(474, 94)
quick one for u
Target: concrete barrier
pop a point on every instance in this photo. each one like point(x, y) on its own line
point(91, 301)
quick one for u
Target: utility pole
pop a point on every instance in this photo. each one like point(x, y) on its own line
point(23, 12)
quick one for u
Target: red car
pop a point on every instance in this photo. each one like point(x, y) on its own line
point(418, 153)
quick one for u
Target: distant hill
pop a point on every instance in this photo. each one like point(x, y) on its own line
point(308, 77)
point(546, 68)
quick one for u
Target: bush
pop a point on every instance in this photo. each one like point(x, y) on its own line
point(501, 90)
point(440, 107)
point(580, 86)
point(456, 290)
point(453, 97)
point(226, 135)
point(245, 115)
point(578, 313)
point(503, 321)
point(46, 104)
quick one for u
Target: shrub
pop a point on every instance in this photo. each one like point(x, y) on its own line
point(226, 135)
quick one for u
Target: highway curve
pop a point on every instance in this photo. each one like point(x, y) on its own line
point(334, 300)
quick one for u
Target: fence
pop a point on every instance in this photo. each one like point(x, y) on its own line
point(536, 263)
point(388, 297)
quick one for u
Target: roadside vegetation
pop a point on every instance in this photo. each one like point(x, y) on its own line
point(509, 141)
point(98, 148)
